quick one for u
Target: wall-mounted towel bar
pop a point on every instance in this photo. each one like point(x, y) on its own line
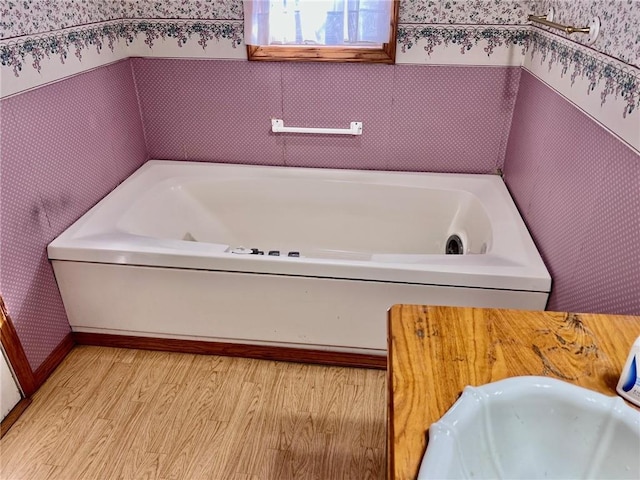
point(277, 126)
point(547, 20)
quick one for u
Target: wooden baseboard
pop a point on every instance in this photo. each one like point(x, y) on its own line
point(53, 360)
point(13, 415)
point(263, 352)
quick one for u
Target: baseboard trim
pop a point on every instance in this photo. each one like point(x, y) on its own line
point(262, 352)
point(53, 360)
point(13, 415)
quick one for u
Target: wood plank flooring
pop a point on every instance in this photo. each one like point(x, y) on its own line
point(110, 413)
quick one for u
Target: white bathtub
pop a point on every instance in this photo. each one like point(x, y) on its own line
point(155, 257)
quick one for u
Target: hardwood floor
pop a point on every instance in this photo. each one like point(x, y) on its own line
point(109, 413)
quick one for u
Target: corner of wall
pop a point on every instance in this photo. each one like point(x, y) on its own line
point(140, 111)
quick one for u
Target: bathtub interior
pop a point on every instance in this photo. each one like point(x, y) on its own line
point(317, 218)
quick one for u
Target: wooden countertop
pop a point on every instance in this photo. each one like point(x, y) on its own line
point(434, 352)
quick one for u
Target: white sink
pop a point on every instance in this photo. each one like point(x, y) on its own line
point(531, 428)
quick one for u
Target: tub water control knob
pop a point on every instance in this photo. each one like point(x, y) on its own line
point(294, 254)
point(274, 253)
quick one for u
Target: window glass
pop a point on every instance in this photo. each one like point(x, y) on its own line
point(326, 30)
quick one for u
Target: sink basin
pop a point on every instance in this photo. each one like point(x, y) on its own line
point(534, 427)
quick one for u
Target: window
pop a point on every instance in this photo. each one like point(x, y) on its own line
point(321, 30)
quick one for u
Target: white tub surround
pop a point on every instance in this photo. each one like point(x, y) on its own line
point(155, 258)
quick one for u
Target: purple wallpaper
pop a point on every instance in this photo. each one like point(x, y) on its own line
point(578, 189)
point(220, 110)
point(63, 146)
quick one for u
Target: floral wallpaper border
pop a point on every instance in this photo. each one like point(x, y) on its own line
point(33, 49)
point(611, 76)
point(183, 31)
point(16, 53)
point(614, 77)
point(467, 37)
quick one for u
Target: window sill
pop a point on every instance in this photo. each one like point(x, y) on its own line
point(384, 54)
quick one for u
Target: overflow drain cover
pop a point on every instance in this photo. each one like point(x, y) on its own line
point(454, 245)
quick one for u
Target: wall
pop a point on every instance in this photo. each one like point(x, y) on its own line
point(220, 110)
point(35, 49)
point(63, 146)
point(40, 43)
point(455, 59)
point(29, 17)
point(619, 38)
point(578, 188)
point(573, 162)
point(603, 79)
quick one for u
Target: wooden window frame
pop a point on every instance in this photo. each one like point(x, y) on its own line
point(302, 53)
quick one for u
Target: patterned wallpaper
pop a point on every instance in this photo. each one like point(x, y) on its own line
point(620, 19)
point(492, 12)
point(577, 187)
point(63, 147)
point(471, 104)
point(28, 17)
point(209, 10)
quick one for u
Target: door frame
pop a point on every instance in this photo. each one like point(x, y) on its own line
point(15, 353)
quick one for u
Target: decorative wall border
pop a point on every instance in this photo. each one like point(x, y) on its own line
point(35, 60)
point(613, 77)
point(606, 89)
point(465, 37)
point(31, 61)
point(14, 53)
point(186, 38)
point(183, 31)
point(484, 41)
point(461, 44)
